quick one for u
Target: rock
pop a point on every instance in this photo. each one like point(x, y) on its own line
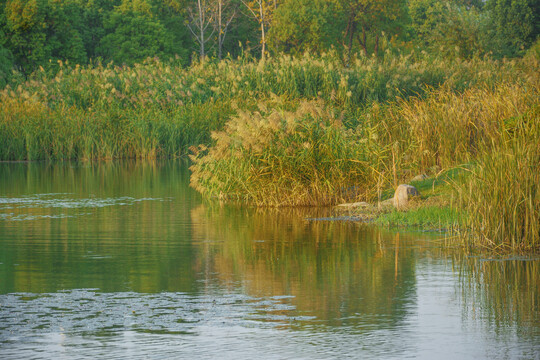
point(387, 203)
point(404, 193)
point(354, 205)
point(419, 177)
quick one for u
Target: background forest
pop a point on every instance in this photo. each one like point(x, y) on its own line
point(37, 33)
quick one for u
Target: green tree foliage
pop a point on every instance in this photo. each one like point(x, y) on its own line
point(306, 25)
point(41, 30)
point(63, 37)
point(516, 23)
point(26, 31)
point(133, 34)
point(36, 33)
point(450, 28)
point(367, 20)
point(6, 58)
point(90, 24)
point(171, 14)
point(6, 65)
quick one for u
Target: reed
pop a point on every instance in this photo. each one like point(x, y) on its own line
point(31, 130)
point(303, 131)
point(148, 110)
point(281, 158)
point(502, 195)
point(444, 128)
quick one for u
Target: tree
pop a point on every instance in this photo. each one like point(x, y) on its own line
point(517, 24)
point(451, 28)
point(306, 25)
point(133, 34)
point(63, 36)
point(261, 11)
point(6, 65)
point(224, 13)
point(369, 19)
point(6, 58)
point(200, 19)
point(43, 30)
point(25, 25)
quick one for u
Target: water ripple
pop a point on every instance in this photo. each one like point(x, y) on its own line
point(92, 312)
point(60, 201)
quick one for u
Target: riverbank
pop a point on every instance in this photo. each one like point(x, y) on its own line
point(308, 157)
point(306, 131)
point(432, 210)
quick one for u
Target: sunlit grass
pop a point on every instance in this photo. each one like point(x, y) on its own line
point(149, 110)
point(503, 192)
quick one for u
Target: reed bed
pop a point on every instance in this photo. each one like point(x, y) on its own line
point(313, 156)
point(304, 131)
point(502, 195)
point(31, 130)
point(280, 158)
point(389, 144)
point(158, 109)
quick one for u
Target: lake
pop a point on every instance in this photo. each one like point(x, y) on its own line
point(124, 260)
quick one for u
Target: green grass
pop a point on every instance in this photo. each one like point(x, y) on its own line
point(158, 109)
point(425, 217)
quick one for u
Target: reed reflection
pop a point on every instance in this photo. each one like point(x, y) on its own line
point(110, 226)
point(501, 294)
point(335, 271)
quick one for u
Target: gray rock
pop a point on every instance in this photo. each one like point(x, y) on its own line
point(354, 205)
point(419, 177)
point(386, 203)
point(404, 193)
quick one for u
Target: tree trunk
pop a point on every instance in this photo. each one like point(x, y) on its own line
point(220, 41)
point(201, 29)
point(263, 36)
point(352, 29)
point(364, 40)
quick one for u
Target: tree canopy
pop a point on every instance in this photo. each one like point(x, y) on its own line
point(36, 33)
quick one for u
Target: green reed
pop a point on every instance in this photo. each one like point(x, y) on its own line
point(158, 109)
point(387, 145)
point(281, 158)
point(503, 192)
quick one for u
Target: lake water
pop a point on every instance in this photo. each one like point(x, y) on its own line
point(124, 260)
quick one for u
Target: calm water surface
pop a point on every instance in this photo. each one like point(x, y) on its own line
point(124, 260)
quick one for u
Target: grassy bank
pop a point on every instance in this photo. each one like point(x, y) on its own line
point(312, 151)
point(313, 156)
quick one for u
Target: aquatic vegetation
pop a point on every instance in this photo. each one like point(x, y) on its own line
point(159, 109)
point(298, 130)
point(503, 192)
point(281, 158)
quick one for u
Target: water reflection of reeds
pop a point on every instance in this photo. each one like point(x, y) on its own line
point(505, 291)
point(333, 270)
point(127, 245)
point(344, 273)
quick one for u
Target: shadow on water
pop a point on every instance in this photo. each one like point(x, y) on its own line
point(126, 257)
